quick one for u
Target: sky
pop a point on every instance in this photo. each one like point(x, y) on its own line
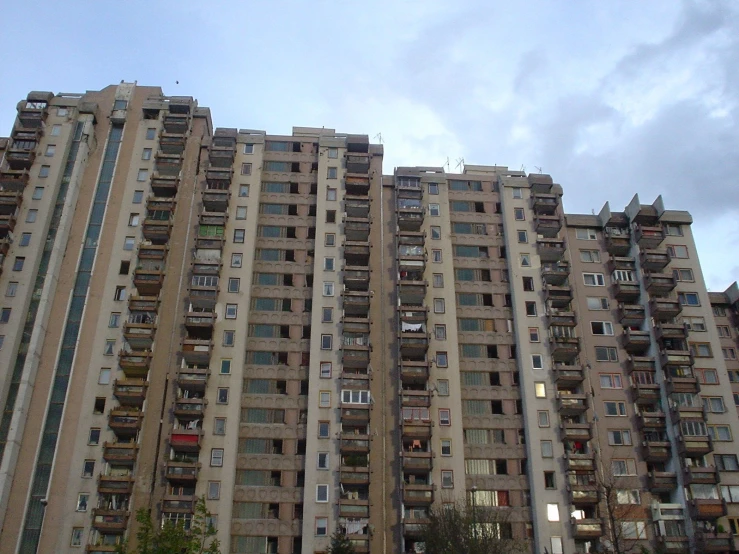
point(611, 97)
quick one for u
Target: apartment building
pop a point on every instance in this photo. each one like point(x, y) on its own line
point(269, 322)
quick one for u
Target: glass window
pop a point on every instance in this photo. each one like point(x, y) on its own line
point(219, 426)
point(434, 210)
point(31, 216)
point(243, 191)
point(239, 235)
point(321, 493)
point(540, 389)
point(216, 457)
point(138, 196)
point(236, 260)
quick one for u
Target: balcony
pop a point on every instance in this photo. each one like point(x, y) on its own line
point(414, 372)
point(631, 314)
point(352, 475)
point(568, 377)
point(356, 278)
point(583, 495)
point(414, 528)
point(682, 384)
point(10, 201)
point(564, 349)
point(200, 325)
point(664, 309)
point(660, 481)
point(416, 429)
point(581, 432)
point(221, 156)
point(181, 473)
point(645, 393)
point(561, 318)
point(580, 462)
point(157, 231)
point(417, 461)
point(660, 283)
point(356, 185)
point(203, 297)
point(413, 344)
point(20, 158)
point(654, 260)
point(651, 420)
point(165, 186)
point(694, 446)
point(112, 522)
point(555, 273)
point(415, 398)
point(674, 545)
point(558, 296)
point(356, 304)
point(551, 250)
point(680, 412)
point(357, 163)
point(586, 528)
point(703, 475)
point(355, 413)
point(675, 358)
point(547, 225)
point(418, 495)
point(154, 252)
point(189, 409)
point(571, 404)
point(655, 451)
point(172, 143)
point(140, 336)
point(218, 178)
point(192, 380)
point(705, 508)
point(671, 331)
point(196, 351)
point(120, 453)
point(649, 238)
point(148, 282)
point(410, 218)
point(626, 291)
point(118, 484)
point(354, 444)
point(636, 342)
point(143, 304)
point(176, 124)
point(178, 503)
point(618, 245)
point(356, 206)
point(544, 204)
point(210, 241)
point(33, 114)
point(125, 422)
point(356, 229)
point(135, 364)
point(719, 542)
point(215, 200)
point(357, 253)
point(167, 164)
point(7, 224)
point(412, 292)
point(186, 440)
point(130, 392)
point(355, 356)
point(14, 181)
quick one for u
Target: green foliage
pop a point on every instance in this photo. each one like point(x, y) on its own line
point(340, 544)
point(174, 538)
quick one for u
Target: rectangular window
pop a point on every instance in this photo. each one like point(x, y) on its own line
point(31, 216)
point(229, 337)
point(434, 210)
point(76, 538)
point(239, 235)
point(546, 449)
point(436, 256)
point(321, 527)
point(88, 469)
point(216, 457)
point(543, 417)
point(590, 256)
point(442, 360)
point(146, 154)
point(332, 173)
point(225, 366)
point(18, 263)
point(519, 214)
point(620, 437)
point(729, 353)
point(440, 332)
point(82, 501)
point(714, 404)
point(678, 251)
point(243, 192)
point(537, 361)
point(93, 437)
point(328, 288)
point(120, 293)
point(38, 193)
point(222, 396)
point(610, 381)
point(442, 387)
point(322, 493)
point(439, 306)
point(5, 315)
point(615, 408)
point(327, 315)
point(701, 349)
point(219, 425)
point(44, 171)
point(236, 260)
point(594, 279)
point(601, 328)
point(586, 234)
point(234, 284)
point(330, 194)
point(12, 289)
point(530, 308)
point(445, 417)
point(128, 243)
point(688, 299)
point(324, 428)
point(606, 354)
point(623, 467)
point(324, 399)
point(50, 150)
point(246, 168)
point(325, 370)
point(685, 275)
point(142, 175)
point(540, 389)
point(523, 237)
point(447, 479)
point(323, 460)
point(138, 197)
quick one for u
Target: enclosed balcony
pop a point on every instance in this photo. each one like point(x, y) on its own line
point(551, 250)
point(130, 392)
point(192, 379)
point(665, 331)
point(706, 508)
point(210, 238)
point(356, 206)
point(10, 201)
point(356, 278)
point(631, 315)
point(636, 342)
point(115, 484)
point(558, 296)
point(586, 528)
point(547, 225)
point(673, 545)
point(216, 200)
point(354, 444)
point(418, 495)
point(654, 260)
point(617, 244)
point(120, 453)
point(661, 481)
point(135, 364)
point(416, 428)
point(154, 252)
point(563, 348)
point(186, 440)
point(356, 303)
point(199, 325)
point(581, 432)
point(544, 204)
point(701, 475)
point(139, 332)
point(664, 309)
point(356, 185)
point(356, 229)
point(568, 376)
point(417, 461)
point(626, 291)
point(583, 495)
point(148, 282)
point(177, 124)
point(196, 351)
point(125, 422)
point(694, 446)
point(656, 450)
point(659, 283)
point(181, 473)
point(357, 253)
point(555, 273)
point(144, 304)
point(649, 238)
point(165, 186)
point(414, 528)
point(357, 162)
point(109, 521)
point(414, 372)
point(172, 143)
point(14, 181)
point(571, 404)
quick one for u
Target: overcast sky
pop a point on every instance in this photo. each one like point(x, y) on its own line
point(609, 97)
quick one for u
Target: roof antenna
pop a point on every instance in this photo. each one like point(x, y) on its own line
point(378, 136)
point(446, 164)
point(460, 163)
point(538, 169)
point(523, 168)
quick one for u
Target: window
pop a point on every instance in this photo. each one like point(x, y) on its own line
point(120, 293)
point(327, 315)
point(714, 404)
point(586, 234)
point(594, 279)
point(146, 154)
point(445, 417)
point(683, 275)
point(239, 235)
point(222, 396)
point(440, 332)
point(138, 196)
point(730, 493)
point(321, 526)
point(615, 408)
point(321, 493)
point(234, 284)
point(434, 210)
point(128, 243)
point(240, 212)
point(552, 512)
point(673, 230)
point(610, 381)
point(435, 232)
point(688, 299)
point(606, 354)
point(326, 342)
point(623, 467)
point(696, 324)
point(246, 168)
point(324, 399)
point(151, 133)
point(216, 457)
point(523, 237)
point(537, 362)
point(601, 327)
point(723, 331)
point(214, 490)
point(2, 341)
point(142, 175)
point(438, 280)
point(219, 425)
point(330, 239)
point(99, 406)
point(446, 447)
point(93, 437)
point(701, 349)
point(115, 319)
point(439, 306)
point(543, 417)
point(236, 260)
point(18, 263)
point(540, 388)
point(82, 500)
point(324, 429)
point(76, 538)
point(333, 173)
point(434, 188)
point(12, 289)
point(726, 462)
point(707, 376)
point(5, 315)
point(44, 172)
point(619, 437)
point(323, 459)
point(436, 256)
point(330, 194)
point(447, 479)
point(31, 216)
point(50, 150)
point(442, 360)
point(248, 148)
point(729, 353)
point(225, 366)
point(546, 449)
point(325, 370)
point(530, 308)
point(229, 337)
point(231, 311)
point(329, 263)
point(88, 469)
point(590, 256)
point(633, 530)
point(133, 220)
point(525, 260)
point(243, 192)
point(38, 193)
point(678, 251)
point(109, 347)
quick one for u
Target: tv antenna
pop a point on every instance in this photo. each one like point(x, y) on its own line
point(523, 168)
point(447, 164)
point(460, 163)
point(378, 136)
point(538, 169)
